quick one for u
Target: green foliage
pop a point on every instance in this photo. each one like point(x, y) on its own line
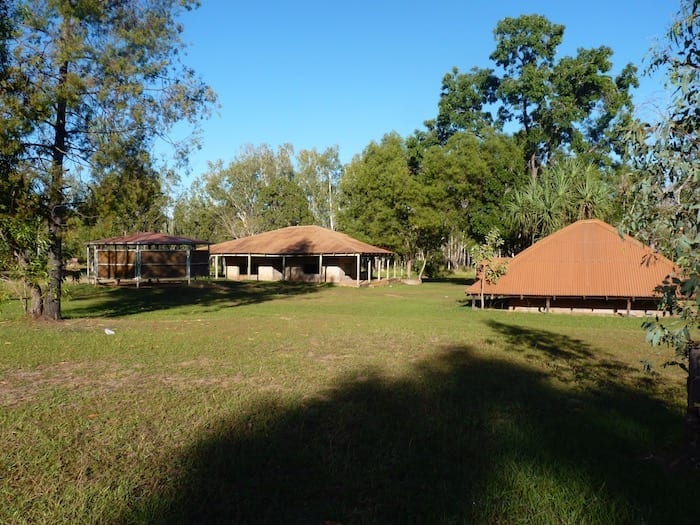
point(384, 204)
point(463, 101)
point(23, 249)
point(318, 175)
point(282, 203)
point(468, 177)
point(93, 84)
point(565, 192)
point(237, 200)
point(261, 190)
point(564, 106)
point(665, 198)
point(571, 104)
point(418, 197)
point(377, 193)
point(23, 241)
point(485, 257)
point(5, 31)
point(503, 157)
point(195, 216)
point(126, 194)
point(486, 261)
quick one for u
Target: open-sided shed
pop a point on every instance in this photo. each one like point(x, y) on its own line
point(586, 266)
point(147, 257)
point(300, 253)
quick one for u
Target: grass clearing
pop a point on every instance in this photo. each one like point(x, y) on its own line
point(282, 403)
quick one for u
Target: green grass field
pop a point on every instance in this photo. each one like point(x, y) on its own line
point(280, 403)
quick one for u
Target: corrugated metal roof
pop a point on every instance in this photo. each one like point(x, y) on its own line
point(297, 240)
point(586, 259)
point(148, 238)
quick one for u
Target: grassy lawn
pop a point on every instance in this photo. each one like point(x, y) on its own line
point(280, 403)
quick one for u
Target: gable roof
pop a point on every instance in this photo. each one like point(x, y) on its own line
point(297, 240)
point(586, 259)
point(152, 238)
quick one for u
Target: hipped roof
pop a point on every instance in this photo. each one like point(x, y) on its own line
point(586, 259)
point(148, 238)
point(298, 240)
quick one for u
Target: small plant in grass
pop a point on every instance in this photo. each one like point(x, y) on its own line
point(485, 256)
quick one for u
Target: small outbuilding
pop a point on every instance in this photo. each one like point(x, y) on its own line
point(147, 257)
point(587, 267)
point(300, 253)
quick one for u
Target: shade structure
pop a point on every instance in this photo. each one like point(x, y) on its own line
point(300, 253)
point(148, 256)
point(588, 260)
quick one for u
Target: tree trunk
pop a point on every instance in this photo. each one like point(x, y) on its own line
point(692, 418)
point(532, 164)
point(36, 309)
point(482, 294)
point(56, 204)
point(52, 301)
point(331, 221)
point(34, 304)
point(422, 269)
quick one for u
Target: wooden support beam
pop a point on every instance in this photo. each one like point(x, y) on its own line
point(189, 264)
point(137, 267)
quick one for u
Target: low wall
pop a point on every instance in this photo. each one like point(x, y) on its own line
point(336, 269)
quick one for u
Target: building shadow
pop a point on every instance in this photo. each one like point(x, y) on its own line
point(448, 442)
point(451, 279)
point(122, 301)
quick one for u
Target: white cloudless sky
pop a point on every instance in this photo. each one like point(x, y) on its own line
point(317, 74)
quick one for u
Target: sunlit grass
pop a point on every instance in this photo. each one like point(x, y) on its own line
point(273, 403)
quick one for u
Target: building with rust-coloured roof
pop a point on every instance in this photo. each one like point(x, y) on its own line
point(585, 266)
point(147, 256)
point(149, 238)
point(299, 253)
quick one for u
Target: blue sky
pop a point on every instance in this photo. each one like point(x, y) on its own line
point(322, 73)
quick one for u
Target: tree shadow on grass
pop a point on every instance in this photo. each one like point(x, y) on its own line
point(575, 359)
point(121, 301)
point(555, 345)
point(458, 439)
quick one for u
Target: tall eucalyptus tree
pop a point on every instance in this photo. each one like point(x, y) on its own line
point(665, 201)
point(318, 174)
point(95, 74)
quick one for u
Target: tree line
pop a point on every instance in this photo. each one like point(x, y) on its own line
point(523, 147)
point(432, 195)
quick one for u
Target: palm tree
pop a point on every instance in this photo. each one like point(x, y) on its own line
point(594, 195)
point(564, 192)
